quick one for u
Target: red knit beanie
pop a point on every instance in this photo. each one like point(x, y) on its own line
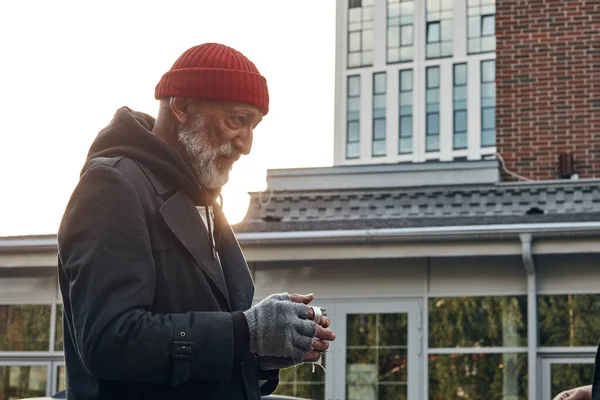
point(213, 71)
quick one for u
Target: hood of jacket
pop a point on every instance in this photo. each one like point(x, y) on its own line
point(129, 134)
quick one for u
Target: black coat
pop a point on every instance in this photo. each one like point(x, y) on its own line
point(147, 307)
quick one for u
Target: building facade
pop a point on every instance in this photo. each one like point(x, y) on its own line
point(456, 240)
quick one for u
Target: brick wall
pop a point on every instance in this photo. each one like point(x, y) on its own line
point(548, 85)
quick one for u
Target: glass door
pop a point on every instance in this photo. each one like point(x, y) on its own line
point(565, 372)
point(378, 350)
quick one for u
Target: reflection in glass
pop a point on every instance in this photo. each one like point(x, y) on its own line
point(405, 112)
point(439, 36)
point(59, 339)
point(302, 382)
point(61, 378)
point(376, 356)
point(379, 117)
point(569, 320)
point(481, 27)
point(25, 327)
point(360, 34)
point(478, 321)
point(353, 118)
point(399, 30)
point(488, 103)
point(570, 376)
point(432, 114)
point(460, 107)
point(17, 382)
point(478, 376)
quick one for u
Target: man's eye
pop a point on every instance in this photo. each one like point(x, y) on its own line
point(240, 119)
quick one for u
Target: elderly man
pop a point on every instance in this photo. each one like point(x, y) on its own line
point(157, 294)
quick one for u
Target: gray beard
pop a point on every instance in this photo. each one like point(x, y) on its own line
point(199, 153)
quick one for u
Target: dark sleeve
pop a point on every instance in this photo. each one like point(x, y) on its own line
point(106, 255)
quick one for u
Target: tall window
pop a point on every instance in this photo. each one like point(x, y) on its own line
point(432, 110)
point(488, 103)
point(481, 28)
point(379, 100)
point(439, 28)
point(353, 118)
point(406, 112)
point(360, 33)
point(400, 30)
point(460, 106)
point(460, 328)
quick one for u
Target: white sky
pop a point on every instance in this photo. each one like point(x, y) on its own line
point(66, 66)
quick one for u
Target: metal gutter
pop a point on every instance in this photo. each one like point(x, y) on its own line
point(468, 232)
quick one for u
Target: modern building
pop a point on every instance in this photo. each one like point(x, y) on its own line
point(455, 242)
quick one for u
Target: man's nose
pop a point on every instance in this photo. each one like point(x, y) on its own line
point(243, 142)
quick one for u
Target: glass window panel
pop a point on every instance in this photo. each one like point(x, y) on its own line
point(25, 327)
point(367, 57)
point(460, 74)
point(488, 43)
point(460, 93)
point(433, 124)
point(474, 45)
point(354, 104)
point(488, 137)
point(407, 35)
point(478, 376)
point(21, 381)
point(379, 83)
point(446, 49)
point(406, 127)
point(379, 148)
point(367, 25)
point(367, 39)
point(367, 13)
point(432, 108)
point(406, 110)
point(460, 121)
point(59, 339)
point(61, 378)
point(474, 26)
point(488, 118)
point(432, 143)
point(354, 59)
point(353, 150)
point(393, 330)
point(433, 50)
point(460, 104)
point(433, 77)
point(406, 98)
point(302, 381)
point(393, 36)
point(406, 19)
point(407, 8)
point(446, 30)
point(484, 2)
point(406, 80)
point(354, 3)
point(354, 15)
point(433, 96)
point(393, 10)
point(488, 9)
point(569, 320)
point(433, 32)
point(361, 329)
point(392, 365)
point(353, 86)
point(379, 129)
point(472, 3)
point(379, 103)
point(353, 131)
point(448, 14)
point(394, 21)
point(488, 25)
point(353, 115)
point(433, 5)
point(405, 145)
point(488, 90)
point(488, 71)
point(460, 141)
point(447, 4)
point(393, 55)
point(406, 53)
point(570, 375)
point(478, 321)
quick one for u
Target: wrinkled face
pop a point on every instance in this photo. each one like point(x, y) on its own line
point(215, 137)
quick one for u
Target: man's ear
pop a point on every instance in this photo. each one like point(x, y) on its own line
point(179, 108)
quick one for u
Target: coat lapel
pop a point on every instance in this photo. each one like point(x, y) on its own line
point(237, 275)
point(185, 223)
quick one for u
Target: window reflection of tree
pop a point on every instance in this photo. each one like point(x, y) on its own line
point(24, 327)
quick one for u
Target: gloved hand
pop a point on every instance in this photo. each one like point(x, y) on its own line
point(279, 328)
